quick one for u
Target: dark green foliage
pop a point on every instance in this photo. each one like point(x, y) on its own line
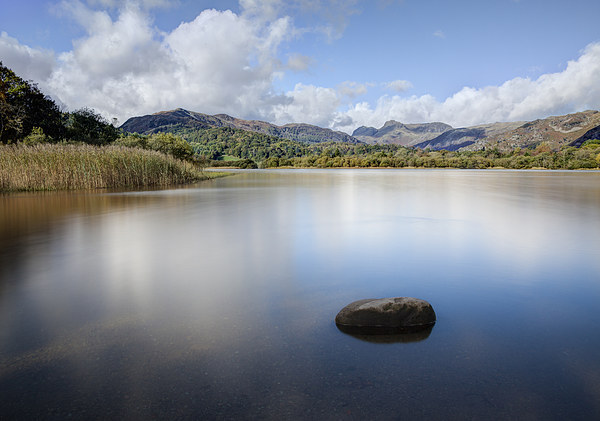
point(133, 141)
point(23, 106)
point(592, 143)
point(89, 127)
point(273, 152)
point(216, 142)
point(167, 143)
point(171, 145)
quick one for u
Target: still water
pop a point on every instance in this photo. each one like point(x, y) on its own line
point(217, 301)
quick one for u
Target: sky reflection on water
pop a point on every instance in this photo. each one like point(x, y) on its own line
point(218, 300)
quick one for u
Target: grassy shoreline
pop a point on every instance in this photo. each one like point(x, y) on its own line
point(72, 167)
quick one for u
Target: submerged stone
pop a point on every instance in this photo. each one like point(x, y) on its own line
point(385, 316)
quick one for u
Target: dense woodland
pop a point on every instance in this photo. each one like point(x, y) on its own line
point(269, 152)
point(28, 117)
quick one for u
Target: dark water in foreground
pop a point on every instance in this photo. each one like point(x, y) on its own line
point(217, 301)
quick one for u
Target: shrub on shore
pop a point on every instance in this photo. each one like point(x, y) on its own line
point(67, 167)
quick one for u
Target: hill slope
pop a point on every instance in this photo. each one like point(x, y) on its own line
point(455, 139)
point(557, 131)
point(166, 120)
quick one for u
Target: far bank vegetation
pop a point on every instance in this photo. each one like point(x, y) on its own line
point(270, 152)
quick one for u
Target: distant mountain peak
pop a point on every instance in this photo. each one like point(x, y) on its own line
point(224, 117)
point(392, 123)
point(399, 133)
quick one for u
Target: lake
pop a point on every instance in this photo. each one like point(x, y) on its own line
point(217, 301)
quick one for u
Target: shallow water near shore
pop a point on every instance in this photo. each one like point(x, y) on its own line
point(217, 301)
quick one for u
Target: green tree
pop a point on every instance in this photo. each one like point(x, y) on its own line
point(85, 125)
point(172, 145)
point(23, 106)
point(133, 141)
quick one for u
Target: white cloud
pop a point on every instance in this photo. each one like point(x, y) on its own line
point(25, 61)
point(439, 34)
point(576, 88)
point(219, 62)
point(308, 104)
point(399, 85)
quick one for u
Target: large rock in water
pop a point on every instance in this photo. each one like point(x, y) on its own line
point(385, 316)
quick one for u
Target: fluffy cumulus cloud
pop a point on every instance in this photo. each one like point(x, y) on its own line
point(576, 88)
point(308, 104)
point(226, 62)
point(124, 66)
point(35, 64)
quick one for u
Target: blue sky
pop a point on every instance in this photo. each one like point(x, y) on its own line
point(338, 64)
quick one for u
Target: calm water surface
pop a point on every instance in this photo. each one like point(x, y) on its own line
point(217, 301)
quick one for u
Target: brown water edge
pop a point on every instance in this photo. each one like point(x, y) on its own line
point(25, 212)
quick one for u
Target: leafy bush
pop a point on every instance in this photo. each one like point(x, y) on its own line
point(172, 145)
point(36, 137)
point(133, 141)
point(167, 143)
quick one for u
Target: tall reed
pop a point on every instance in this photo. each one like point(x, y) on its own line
point(67, 167)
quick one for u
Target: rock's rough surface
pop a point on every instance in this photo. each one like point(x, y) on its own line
point(386, 315)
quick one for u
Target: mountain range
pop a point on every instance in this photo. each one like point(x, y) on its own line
point(401, 134)
point(164, 120)
point(557, 131)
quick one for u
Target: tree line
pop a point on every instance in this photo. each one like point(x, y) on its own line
point(29, 116)
point(272, 152)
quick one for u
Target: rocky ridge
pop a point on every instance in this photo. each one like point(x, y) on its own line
point(401, 134)
point(164, 120)
point(455, 139)
point(571, 129)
